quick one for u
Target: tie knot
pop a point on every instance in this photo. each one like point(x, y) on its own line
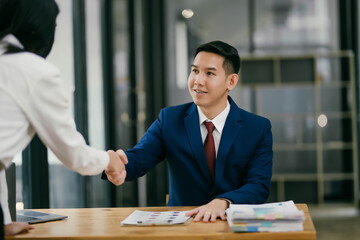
point(210, 126)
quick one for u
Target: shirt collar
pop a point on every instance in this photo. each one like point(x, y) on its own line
point(9, 39)
point(219, 120)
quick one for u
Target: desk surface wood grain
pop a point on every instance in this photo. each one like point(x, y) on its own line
point(104, 223)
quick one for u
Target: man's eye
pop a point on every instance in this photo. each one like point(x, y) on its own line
point(194, 70)
point(211, 74)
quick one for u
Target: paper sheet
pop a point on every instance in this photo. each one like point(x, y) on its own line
point(155, 218)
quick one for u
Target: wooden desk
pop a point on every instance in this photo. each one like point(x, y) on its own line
point(104, 223)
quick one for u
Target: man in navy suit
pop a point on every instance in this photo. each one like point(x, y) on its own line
point(242, 142)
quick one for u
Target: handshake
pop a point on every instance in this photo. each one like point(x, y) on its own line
point(115, 171)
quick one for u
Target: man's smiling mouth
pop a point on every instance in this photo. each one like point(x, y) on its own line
point(198, 91)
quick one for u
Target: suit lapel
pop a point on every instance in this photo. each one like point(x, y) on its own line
point(231, 130)
point(192, 127)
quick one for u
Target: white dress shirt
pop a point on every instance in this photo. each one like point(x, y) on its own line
point(4, 197)
point(218, 121)
point(33, 99)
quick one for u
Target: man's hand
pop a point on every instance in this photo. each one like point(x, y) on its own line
point(16, 228)
point(115, 171)
point(209, 212)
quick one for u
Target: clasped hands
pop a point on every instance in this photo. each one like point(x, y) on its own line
point(115, 171)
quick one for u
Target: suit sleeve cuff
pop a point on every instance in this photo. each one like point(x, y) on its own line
point(227, 200)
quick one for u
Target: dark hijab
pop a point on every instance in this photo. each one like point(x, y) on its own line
point(32, 22)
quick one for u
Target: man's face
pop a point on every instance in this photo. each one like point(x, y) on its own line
point(208, 84)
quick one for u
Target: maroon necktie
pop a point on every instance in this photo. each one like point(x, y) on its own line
point(209, 146)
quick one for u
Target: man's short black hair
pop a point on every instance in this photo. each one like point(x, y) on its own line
point(231, 57)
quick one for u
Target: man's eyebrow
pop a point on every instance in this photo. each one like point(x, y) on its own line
point(209, 68)
point(212, 68)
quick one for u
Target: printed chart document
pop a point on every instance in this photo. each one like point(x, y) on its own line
point(148, 218)
point(269, 217)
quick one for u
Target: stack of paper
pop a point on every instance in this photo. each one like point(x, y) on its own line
point(269, 217)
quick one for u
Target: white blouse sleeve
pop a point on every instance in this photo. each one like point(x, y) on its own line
point(49, 112)
point(4, 198)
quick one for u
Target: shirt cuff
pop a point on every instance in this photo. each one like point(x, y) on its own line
point(227, 200)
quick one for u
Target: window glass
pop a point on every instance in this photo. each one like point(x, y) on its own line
point(65, 190)
point(97, 189)
point(295, 26)
point(126, 195)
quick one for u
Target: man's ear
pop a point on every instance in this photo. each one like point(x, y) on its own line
point(232, 81)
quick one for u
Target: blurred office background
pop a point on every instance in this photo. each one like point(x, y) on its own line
point(127, 59)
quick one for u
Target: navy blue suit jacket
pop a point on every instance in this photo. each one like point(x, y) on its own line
point(243, 164)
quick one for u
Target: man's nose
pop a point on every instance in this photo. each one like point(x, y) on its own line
point(200, 79)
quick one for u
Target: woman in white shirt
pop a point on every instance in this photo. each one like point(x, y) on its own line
point(33, 99)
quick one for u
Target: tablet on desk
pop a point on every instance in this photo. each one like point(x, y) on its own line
point(36, 217)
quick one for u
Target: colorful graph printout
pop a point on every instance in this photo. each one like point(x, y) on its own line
point(155, 218)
